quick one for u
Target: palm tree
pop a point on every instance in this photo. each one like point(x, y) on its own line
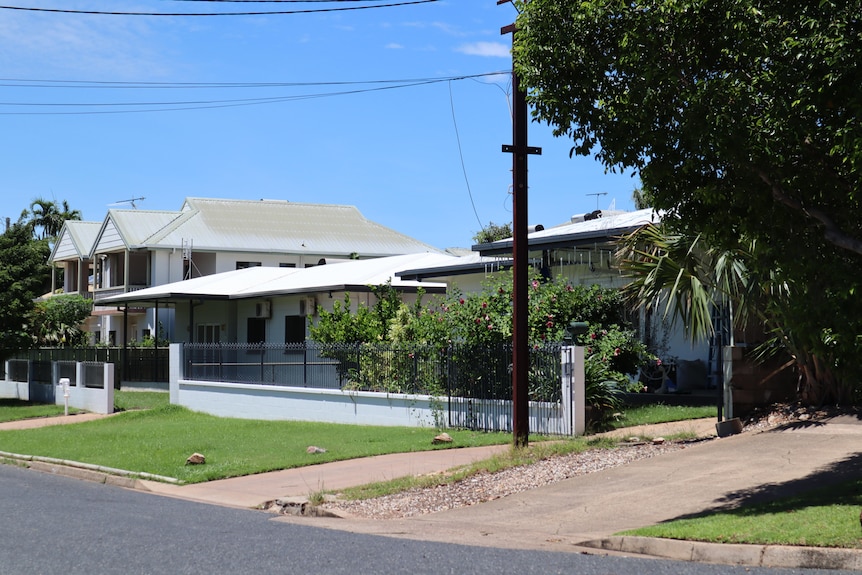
point(688, 279)
point(45, 216)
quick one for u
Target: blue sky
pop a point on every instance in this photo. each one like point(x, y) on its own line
point(394, 153)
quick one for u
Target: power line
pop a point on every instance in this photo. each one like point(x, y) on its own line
point(276, 1)
point(103, 84)
point(209, 104)
point(182, 14)
point(461, 155)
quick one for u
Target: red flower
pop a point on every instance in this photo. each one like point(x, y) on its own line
point(593, 335)
point(550, 324)
point(461, 301)
point(617, 351)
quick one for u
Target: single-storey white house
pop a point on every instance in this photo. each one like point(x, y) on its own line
point(132, 250)
point(582, 252)
point(274, 304)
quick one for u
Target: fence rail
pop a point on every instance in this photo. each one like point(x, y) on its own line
point(477, 380)
point(130, 364)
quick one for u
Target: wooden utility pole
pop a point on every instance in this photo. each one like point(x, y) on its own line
point(520, 258)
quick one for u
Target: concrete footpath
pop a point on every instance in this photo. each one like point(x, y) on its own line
point(586, 511)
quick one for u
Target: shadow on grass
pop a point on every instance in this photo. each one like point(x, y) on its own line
point(11, 402)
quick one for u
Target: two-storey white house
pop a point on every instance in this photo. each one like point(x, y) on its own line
point(135, 249)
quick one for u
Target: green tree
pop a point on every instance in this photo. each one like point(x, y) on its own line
point(24, 275)
point(493, 232)
point(740, 117)
point(57, 321)
point(678, 276)
point(47, 217)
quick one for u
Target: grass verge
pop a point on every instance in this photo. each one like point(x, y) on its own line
point(150, 435)
point(826, 517)
point(510, 458)
point(159, 440)
point(16, 410)
point(133, 400)
point(660, 413)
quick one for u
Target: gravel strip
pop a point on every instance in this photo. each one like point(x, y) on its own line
point(489, 486)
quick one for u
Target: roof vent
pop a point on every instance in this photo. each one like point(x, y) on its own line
point(536, 228)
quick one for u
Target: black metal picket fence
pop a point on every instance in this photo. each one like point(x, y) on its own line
point(458, 369)
point(145, 364)
point(476, 379)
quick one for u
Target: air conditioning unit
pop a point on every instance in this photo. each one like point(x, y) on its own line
point(263, 309)
point(308, 306)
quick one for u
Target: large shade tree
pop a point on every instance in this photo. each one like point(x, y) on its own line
point(741, 119)
point(24, 275)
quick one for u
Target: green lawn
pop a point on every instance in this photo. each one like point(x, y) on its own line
point(129, 400)
point(660, 413)
point(159, 440)
point(150, 435)
point(827, 517)
point(15, 410)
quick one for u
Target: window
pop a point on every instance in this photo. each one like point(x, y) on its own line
point(286, 265)
point(256, 330)
point(243, 265)
point(208, 333)
point(112, 338)
point(294, 329)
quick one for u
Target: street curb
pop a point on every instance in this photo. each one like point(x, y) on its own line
point(85, 474)
point(775, 556)
point(90, 472)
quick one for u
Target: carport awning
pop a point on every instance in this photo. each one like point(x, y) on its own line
point(355, 275)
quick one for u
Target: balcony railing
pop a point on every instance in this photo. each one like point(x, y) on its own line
point(102, 293)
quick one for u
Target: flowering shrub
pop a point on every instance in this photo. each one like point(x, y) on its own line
point(483, 320)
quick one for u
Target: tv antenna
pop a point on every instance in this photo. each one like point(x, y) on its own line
point(129, 201)
point(597, 194)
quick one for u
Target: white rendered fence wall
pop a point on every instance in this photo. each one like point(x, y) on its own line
point(274, 402)
point(89, 389)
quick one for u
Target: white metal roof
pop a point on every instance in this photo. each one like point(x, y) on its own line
point(283, 227)
point(271, 281)
point(75, 241)
point(619, 221)
point(601, 229)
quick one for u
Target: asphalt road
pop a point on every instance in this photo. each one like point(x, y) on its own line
point(51, 524)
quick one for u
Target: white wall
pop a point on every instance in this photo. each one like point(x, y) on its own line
point(271, 402)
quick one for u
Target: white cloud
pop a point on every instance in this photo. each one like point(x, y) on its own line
point(485, 49)
point(79, 46)
point(394, 46)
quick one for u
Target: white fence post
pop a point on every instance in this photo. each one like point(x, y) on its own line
point(175, 371)
point(566, 396)
point(579, 388)
point(108, 382)
point(55, 373)
point(573, 390)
